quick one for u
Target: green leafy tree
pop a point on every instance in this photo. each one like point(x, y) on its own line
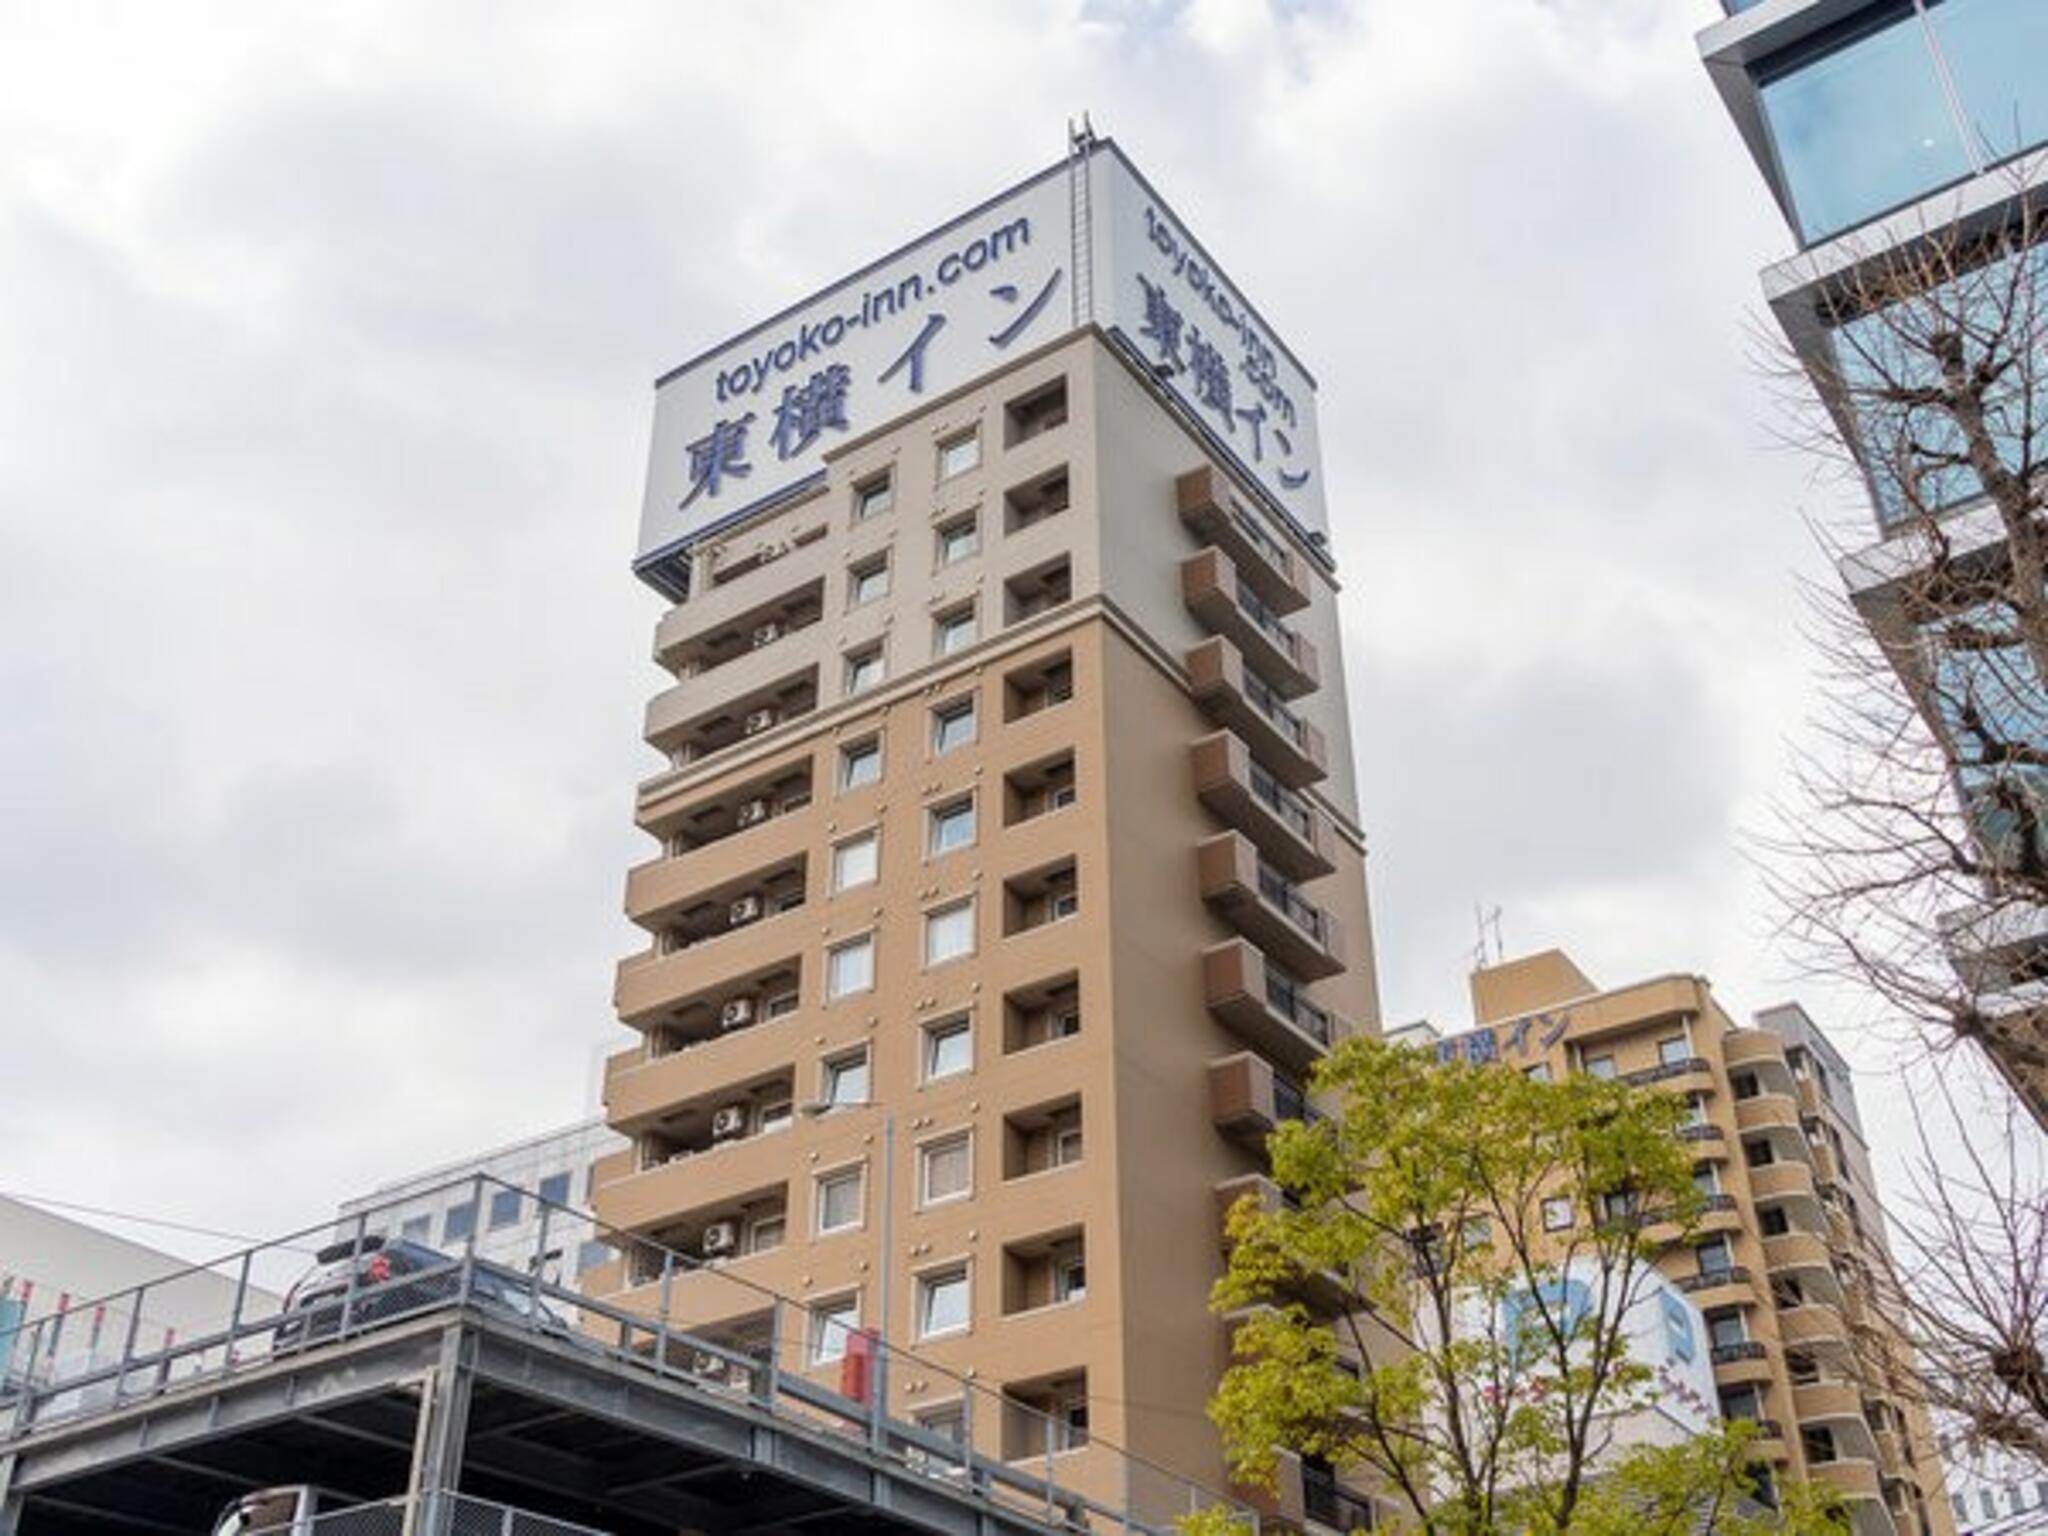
point(1498, 1232)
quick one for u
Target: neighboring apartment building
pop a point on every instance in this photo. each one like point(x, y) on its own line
point(51, 1265)
point(1881, 127)
point(1007, 809)
point(1780, 1265)
point(1995, 1493)
point(497, 1202)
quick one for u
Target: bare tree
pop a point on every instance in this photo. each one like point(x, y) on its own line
point(1913, 861)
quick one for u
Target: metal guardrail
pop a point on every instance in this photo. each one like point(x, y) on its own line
point(693, 1323)
point(463, 1516)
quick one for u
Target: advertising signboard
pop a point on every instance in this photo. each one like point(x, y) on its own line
point(1086, 241)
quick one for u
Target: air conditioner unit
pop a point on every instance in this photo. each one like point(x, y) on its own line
point(744, 910)
point(753, 812)
point(760, 720)
point(737, 1013)
point(728, 1121)
point(766, 634)
point(1061, 797)
point(1064, 904)
point(721, 1238)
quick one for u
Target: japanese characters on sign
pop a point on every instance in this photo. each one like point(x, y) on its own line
point(754, 419)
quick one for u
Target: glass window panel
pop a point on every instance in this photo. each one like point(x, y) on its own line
point(856, 862)
point(860, 764)
point(459, 1222)
point(873, 499)
point(949, 933)
point(957, 631)
point(555, 1189)
point(846, 1079)
point(1996, 51)
point(953, 726)
point(949, 1048)
point(1863, 127)
point(831, 1323)
point(946, 1169)
point(959, 541)
point(943, 1302)
point(864, 670)
point(952, 826)
point(850, 968)
point(839, 1201)
point(506, 1205)
point(958, 455)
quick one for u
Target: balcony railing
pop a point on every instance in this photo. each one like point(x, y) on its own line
point(1280, 892)
point(1747, 1349)
point(1664, 1071)
point(1709, 1279)
point(1282, 802)
point(1285, 996)
point(1324, 1502)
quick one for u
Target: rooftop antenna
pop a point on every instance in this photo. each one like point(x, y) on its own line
point(1489, 950)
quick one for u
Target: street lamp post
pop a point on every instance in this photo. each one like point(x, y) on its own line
point(879, 1417)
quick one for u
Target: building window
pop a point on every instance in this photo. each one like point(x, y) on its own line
point(846, 1079)
point(857, 861)
point(1070, 1278)
point(1600, 1066)
point(944, 1169)
point(1673, 1051)
point(594, 1253)
point(832, 1324)
point(873, 497)
point(1557, 1213)
point(1725, 1327)
point(860, 762)
point(865, 669)
point(959, 539)
point(949, 933)
point(1066, 1146)
point(1539, 1073)
point(955, 630)
point(1714, 1256)
point(952, 825)
point(459, 1222)
point(942, 1302)
point(868, 582)
point(554, 1189)
point(417, 1229)
point(952, 725)
point(850, 968)
point(948, 1048)
point(957, 455)
point(506, 1205)
point(839, 1201)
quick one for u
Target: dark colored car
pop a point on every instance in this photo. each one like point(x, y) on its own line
point(392, 1278)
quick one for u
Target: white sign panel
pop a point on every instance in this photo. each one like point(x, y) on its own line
point(1156, 287)
point(752, 420)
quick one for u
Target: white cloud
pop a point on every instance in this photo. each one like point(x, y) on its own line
point(323, 366)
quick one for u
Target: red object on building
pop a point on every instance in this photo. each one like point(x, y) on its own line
point(857, 1365)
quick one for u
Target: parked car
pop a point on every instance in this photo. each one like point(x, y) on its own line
point(297, 1511)
point(381, 1268)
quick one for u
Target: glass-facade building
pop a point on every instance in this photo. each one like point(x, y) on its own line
point(1906, 141)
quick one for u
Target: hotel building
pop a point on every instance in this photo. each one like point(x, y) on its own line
point(1006, 875)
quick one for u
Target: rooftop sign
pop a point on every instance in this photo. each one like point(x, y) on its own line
point(751, 422)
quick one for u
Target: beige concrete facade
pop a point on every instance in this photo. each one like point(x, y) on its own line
point(1782, 1260)
point(1050, 750)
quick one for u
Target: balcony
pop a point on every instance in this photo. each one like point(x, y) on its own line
point(1248, 1099)
point(1217, 515)
point(1854, 1477)
point(1766, 1112)
point(1782, 1181)
point(716, 641)
point(1236, 696)
point(684, 994)
point(1817, 1402)
point(1791, 1253)
point(1210, 587)
point(686, 904)
point(1267, 908)
point(1751, 1047)
point(1813, 1326)
point(652, 1194)
point(1292, 835)
point(1265, 1007)
point(1747, 1363)
point(1691, 1074)
point(1729, 1287)
point(691, 722)
point(686, 826)
point(1323, 1292)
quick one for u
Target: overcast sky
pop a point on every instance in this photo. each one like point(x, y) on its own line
point(326, 342)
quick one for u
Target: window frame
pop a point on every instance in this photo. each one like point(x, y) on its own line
point(949, 909)
point(946, 713)
point(833, 992)
point(856, 661)
point(944, 447)
point(871, 838)
point(866, 490)
point(833, 1067)
point(938, 814)
point(855, 1174)
point(932, 1147)
point(940, 1031)
point(950, 619)
point(959, 1272)
point(944, 555)
point(825, 1313)
point(867, 749)
point(860, 572)
point(1549, 1209)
